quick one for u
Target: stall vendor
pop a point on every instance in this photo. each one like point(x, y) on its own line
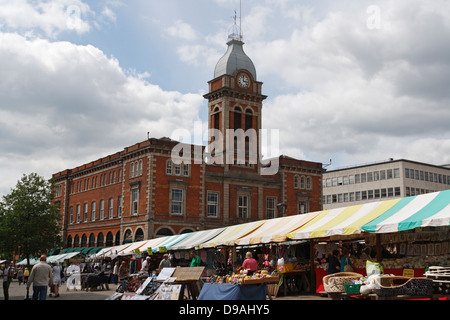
point(250, 264)
point(196, 260)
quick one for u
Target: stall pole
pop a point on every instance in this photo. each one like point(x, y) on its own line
point(312, 254)
point(378, 246)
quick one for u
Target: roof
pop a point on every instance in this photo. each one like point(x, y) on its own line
point(234, 60)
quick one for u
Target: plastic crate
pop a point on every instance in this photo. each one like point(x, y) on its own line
point(352, 288)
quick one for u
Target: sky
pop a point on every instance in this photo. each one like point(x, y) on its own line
point(353, 81)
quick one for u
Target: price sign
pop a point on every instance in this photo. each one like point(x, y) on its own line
point(149, 251)
point(408, 273)
point(162, 249)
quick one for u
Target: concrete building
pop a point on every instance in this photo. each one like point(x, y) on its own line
point(381, 181)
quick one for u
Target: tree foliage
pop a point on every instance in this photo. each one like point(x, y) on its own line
point(29, 221)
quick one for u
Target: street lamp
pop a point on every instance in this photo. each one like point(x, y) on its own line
point(282, 207)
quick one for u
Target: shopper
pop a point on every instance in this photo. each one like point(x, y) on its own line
point(115, 278)
point(165, 262)
point(250, 264)
point(123, 270)
point(41, 277)
point(145, 265)
point(20, 275)
point(7, 278)
point(56, 279)
point(334, 264)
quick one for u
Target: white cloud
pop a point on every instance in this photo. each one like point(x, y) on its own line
point(66, 104)
point(51, 17)
point(182, 30)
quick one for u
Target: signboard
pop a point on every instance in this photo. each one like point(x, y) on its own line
point(408, 273)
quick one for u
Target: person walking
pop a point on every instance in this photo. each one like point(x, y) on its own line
point(20, 275)
point(7, 278)
point(41, 276)
point(56, 278)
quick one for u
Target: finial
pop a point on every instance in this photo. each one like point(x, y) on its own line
point(236, 32)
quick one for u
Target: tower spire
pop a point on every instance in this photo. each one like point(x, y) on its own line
point(236, 31)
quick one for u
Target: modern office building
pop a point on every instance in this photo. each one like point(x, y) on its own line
point(381, 181)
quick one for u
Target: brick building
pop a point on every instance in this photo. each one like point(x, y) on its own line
point(143, 192)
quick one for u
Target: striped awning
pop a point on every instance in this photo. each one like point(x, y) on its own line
point(170, 241)
point(229, 236)
point(427, 210)
point(341, 221)
point(197, 238)
point(276, 230)
point(141, 246)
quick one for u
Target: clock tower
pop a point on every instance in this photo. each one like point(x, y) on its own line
point(235, 109)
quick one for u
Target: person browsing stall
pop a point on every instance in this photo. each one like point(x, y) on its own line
point(250, 264)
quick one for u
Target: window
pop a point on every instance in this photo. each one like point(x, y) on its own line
point(302, 207)
point(169, 165)
point(243, 207)
point(85, 212)
point(376, 175)
point(119, 207)
point(270, 207)
point(102, 209)
point(296, 182)
point(177, 202)
point(302, 183)
point(363, 177)
point(111, 208)
point(78, 212)
point(93, 207)
point(397, 173)
point(383, 175)
point(308, 183)
point(186, 170)
point(178, 169)
point(213, 204)
point(369, 177)
point(134, 201)
point(71, 214)
point(406, 173)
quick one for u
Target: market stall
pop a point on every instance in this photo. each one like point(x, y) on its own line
point(415, 248)
point(197, 238)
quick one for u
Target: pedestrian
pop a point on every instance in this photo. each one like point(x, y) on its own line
point(115, 273)
point(26, 275)
point(7, 278)
point(165, 262)
point(41, 276)
point(334, 264)
point(196, 260)
point(123, 271)
point(56, 278)
point(20, 275)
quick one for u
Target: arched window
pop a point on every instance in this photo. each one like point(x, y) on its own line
point(109, 239)
point(84, 241)
point(139, 235)
point(248, 119)
point(117, 242)
point(91, 240)
point(100, 240)
point(69, 242)
point(164, 232)
point(76, 242)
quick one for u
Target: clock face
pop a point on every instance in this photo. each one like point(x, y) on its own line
point(243, 81)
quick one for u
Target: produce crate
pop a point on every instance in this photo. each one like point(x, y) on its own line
point(352, 288)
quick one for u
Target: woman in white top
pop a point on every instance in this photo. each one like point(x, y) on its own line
point(56, 278)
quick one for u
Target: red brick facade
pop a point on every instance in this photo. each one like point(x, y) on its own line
point(139, 193)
